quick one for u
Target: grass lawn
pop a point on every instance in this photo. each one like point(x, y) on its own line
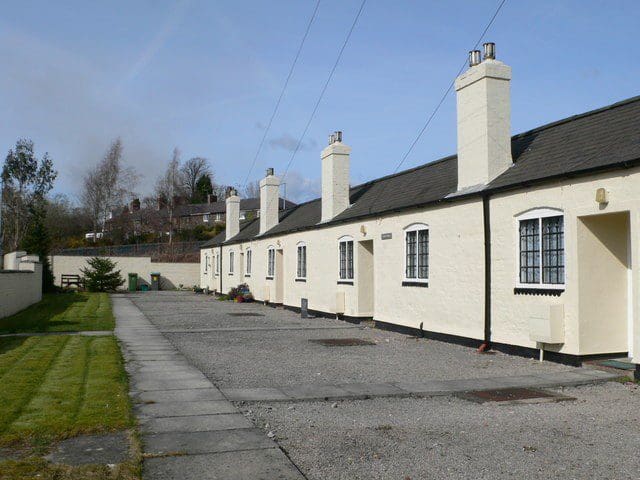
point(63, 312)
point(56, 387)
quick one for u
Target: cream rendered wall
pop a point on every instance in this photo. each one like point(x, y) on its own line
point(172, 275)
point(453, 303)
point(20, 288)
point(576, 198)
point(603, 299)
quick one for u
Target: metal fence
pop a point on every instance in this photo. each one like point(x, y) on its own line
point(154, 250)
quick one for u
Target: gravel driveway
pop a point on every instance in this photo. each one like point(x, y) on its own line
point(594, 436)
point(267, 357)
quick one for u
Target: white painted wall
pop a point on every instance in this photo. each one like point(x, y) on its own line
point(576, 199)
point(171, 274)
point(454, 301)
point(21, 286)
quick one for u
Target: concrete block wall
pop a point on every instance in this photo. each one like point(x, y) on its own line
point(172, 275)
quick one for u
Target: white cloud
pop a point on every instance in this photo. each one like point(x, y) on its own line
point(301, 189)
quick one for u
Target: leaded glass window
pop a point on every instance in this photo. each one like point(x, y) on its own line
point(302, 261)
point(542, 250)
point(346, 260)
point(417, 252)
point(271, 264)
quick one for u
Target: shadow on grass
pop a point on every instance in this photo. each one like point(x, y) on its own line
point(56, 312)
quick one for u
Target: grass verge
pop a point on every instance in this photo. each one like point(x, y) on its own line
point(63, 312)
point(56, 387)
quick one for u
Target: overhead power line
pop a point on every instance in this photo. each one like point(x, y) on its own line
point(442, 99)
point(284, 88)
point(324, 89)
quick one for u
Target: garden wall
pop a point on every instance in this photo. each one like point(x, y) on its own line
point(20, 286)
point(172, 275)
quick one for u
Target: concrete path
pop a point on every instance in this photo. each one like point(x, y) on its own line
point(189, 429)
point(89, 333)
point(429, 388)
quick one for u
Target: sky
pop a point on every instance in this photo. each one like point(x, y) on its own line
point(204, 76)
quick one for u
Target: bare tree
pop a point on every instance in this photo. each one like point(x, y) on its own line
point(170, 187)
point(191, 171)
point(107, 186)
point(252, 189)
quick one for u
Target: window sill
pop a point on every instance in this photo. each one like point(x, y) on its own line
point(231, 274)
point(553, 292)
point(300, 280)
point(269, 278)
point(409, 283)
point(345, 282)
point(247, 276)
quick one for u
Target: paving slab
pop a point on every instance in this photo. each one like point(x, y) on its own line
point(371, 389)
point(313, 391)
point(206, 442)
point(183, 409)
point(255, 394)
point(112, 448)
point(195, 423)
point(171, 384)
point(264, 464)
point(184, 418)
point(199, 394)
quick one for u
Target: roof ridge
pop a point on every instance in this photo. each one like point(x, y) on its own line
point(577, 116)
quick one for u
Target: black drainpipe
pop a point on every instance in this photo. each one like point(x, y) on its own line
point(220, 271)
point(486, 218)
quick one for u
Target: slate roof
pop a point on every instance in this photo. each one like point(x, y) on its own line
point(246, 204)
point(603, 139)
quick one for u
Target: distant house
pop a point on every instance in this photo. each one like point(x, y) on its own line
point(185, 216)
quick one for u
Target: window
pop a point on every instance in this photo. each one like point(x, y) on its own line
point(302, 261)
point(271, 262)
point(541, 259)
point(230, 262)
point(248, 266)
point(217, 264)
point(205, 218)
point(416, 253)
point(243, 215)
point(218, 217)
point(346, 258)
point(206, 263)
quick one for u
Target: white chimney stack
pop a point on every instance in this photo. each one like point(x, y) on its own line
point(335, 177)
point(269, 201)
point(484, 119)
point(232, 224)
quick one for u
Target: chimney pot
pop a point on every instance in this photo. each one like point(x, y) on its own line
point(269, 171)
point(474, 58)
point(489, 50)
point(339, 136)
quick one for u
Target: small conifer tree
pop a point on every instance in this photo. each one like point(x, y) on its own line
point(101, 276)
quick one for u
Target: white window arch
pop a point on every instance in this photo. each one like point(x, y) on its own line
point(271, 261)
point(416, 253)
point(345, 257)
point(301, 270)
point(541, 258)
